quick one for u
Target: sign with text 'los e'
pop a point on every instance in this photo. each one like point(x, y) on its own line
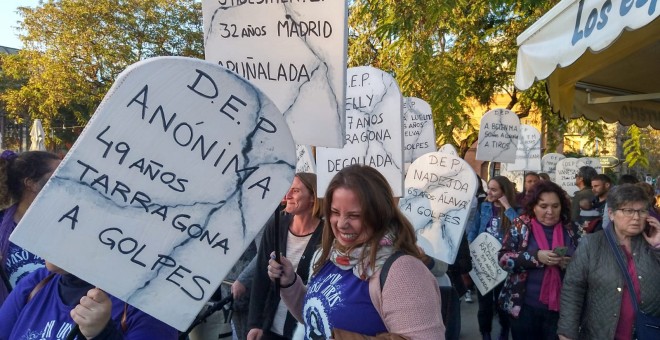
point(181, 165)
point(294, 51)
point(439, 191)
point(498, 136)
point(486, 273)
point(374, 129)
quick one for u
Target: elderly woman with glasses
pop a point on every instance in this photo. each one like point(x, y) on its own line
point(595, 301)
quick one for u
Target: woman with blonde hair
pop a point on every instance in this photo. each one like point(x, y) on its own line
point(299, 233)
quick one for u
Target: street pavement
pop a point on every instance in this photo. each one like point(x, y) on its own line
point(469, 324)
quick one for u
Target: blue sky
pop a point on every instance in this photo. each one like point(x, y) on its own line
point(8, 19)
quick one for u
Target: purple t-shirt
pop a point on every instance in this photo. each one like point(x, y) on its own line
point(336, 298)
point(47, 317)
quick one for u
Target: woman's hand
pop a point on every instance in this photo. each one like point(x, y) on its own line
point(504, 202)
point(563, 263)
point(283, 270)
point(255, 334)
point(237, 289)
point(93, 312)
point(549, 258)
point(653, 236)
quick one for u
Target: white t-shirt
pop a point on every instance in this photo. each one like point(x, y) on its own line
point(295, 247)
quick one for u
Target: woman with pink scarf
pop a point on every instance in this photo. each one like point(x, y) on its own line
point(535, 253)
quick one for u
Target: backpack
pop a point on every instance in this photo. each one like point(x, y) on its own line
point(450, 301)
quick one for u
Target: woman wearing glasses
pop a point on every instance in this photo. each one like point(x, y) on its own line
point(535, 253)
point(595, 301)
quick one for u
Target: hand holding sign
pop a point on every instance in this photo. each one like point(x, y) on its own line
point(170, 181)
point(486, 273)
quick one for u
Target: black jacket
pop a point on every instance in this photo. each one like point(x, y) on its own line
point(263, 298)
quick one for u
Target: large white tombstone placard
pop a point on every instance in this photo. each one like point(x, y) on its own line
point(374, 129)
point(549, 164)
point(418, 129)
point(176, 172)
point(498, 136)
point(294, 51)
point(565, 175)
point(305, 159)
point(486, 273)
point(439, 191)
point(593, 162)
point(528, 154)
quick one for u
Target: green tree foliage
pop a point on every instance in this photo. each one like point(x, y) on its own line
point(446, 52)
point(633, 148)
point(74, 49)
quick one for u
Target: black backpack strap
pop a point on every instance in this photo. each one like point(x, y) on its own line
point(386, 267)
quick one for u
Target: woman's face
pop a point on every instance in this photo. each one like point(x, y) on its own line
point(299, 200)
point(494, 191)
point(345, 218)
point(548, 209)
point(630, 219)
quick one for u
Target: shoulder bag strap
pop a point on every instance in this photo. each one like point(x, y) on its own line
point(386, 267)
point(622, 265)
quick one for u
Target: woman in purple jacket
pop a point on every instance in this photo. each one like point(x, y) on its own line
point(49, 305)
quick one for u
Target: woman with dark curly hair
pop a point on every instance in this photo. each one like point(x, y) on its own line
point(535, 253)
point(21, 178)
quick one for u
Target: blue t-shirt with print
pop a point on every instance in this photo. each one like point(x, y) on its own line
point(336, 298)
point(20, 262)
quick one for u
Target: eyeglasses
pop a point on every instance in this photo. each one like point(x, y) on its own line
point(631, 212)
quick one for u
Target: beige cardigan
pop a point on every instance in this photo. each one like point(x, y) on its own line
point(409, 304)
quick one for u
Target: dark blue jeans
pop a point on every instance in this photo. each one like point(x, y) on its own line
point(535, 323)
point(487, 307)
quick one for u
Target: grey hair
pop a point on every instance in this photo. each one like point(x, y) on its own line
point(626, 193)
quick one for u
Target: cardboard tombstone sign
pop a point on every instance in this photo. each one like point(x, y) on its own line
point(593, 162)
point(418, 129)
point(294, 51)
point(498, 136)
point(305, 159)
point(565, 175)
point(517, 177)
point(448, 149)
point(181, 165)
point(374, 130)
point(486, 272)
point(439, 191)
point(528, 153)
point(549, 164)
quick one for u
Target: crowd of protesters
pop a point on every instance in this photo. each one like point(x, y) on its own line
point(349, 267)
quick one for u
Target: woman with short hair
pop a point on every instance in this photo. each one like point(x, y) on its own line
point(595, 301)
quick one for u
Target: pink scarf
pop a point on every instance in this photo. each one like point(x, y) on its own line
point(551, 286)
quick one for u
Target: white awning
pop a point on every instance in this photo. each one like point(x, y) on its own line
point(601, 58)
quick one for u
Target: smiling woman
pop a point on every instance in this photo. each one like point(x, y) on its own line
point(363, 228)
